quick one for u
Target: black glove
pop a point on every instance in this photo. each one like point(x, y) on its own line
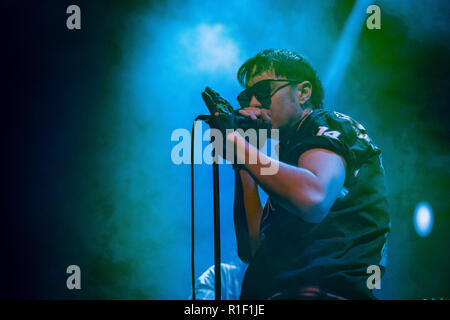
point(219, 104)
point(223, 114)
point(222, 117)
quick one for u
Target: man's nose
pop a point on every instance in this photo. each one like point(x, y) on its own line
point(254, 102)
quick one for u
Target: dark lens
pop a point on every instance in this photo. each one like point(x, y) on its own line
point(262, 93)
point(244, 98)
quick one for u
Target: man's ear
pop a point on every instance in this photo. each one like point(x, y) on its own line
point(304, 91)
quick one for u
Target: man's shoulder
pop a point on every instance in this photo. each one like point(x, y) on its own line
point(334, 125)
point(332, 119)
point(335, 131)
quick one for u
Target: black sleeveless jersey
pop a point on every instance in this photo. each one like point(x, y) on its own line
point(335, 253)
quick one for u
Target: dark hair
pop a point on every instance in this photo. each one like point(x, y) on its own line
point(287, 64)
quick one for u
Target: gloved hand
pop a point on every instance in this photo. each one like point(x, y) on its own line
point(223, 114)
point(223, 118)
point(219, 104)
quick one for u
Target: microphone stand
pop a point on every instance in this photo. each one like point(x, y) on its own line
point(217, 258)
point(217, 263)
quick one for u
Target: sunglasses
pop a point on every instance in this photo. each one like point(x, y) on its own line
point(262, 92)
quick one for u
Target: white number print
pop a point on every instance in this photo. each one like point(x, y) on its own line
point(331, 134)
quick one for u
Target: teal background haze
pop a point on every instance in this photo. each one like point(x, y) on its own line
point(103, 192)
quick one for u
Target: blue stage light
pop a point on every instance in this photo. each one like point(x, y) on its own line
point(344, 50)
point(423, 219)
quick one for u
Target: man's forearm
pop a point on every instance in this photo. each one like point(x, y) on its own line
point(297, 189)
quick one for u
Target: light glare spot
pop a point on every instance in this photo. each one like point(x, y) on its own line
point(210, 49)
point(423, 219)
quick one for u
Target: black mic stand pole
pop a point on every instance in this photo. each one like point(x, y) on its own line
point(217, 265)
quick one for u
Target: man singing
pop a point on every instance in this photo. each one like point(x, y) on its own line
point(326, 219)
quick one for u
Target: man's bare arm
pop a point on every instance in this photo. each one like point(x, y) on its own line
point(308, 190)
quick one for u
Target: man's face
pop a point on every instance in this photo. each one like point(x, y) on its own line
point(284, 107)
